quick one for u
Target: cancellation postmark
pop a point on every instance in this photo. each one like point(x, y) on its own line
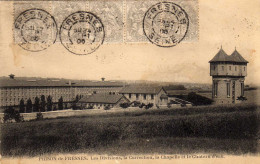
point(82, 33)
point(165, 24)
point(35, 30)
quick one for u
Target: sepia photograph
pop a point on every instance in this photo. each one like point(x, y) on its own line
point(129, 81)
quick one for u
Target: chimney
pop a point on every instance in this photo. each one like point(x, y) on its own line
point(11, 76)
point(103, 79)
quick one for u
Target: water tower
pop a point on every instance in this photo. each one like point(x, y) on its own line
point(228, 75)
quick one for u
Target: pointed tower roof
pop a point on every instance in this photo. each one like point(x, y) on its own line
point(236, 57)
point(220, 56)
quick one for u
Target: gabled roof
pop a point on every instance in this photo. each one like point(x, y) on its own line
point(44, 82)
point(141, 89)
point(236, 57)
point(105, 98)
point(221, 56)
point(174, 87)
point(163, 96)
point(178, 92)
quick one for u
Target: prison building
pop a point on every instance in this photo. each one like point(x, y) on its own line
point(12, 90)
point(146, 94)
point(102, 100)
point(228, 75)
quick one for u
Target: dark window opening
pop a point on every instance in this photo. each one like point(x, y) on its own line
point(228, 89)
point(137, 96)
point(242, 89)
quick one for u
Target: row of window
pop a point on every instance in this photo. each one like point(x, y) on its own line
point(50, 90)
point(11, 100)
point(100, 105)
point(228, 89)
point(223, 68)
point(138, 95)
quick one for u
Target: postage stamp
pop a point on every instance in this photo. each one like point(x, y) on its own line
point(82, 33)
point(136, 10)
point(111, 14)
point(35, 30)
point(165, 24)
point(62, 9)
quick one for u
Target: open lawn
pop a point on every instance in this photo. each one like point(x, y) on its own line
point(219, 129)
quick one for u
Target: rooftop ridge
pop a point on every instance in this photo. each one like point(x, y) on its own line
point(222, 56)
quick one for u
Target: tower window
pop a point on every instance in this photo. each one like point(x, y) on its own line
point(244, 68)
point(213, 67)
point(215, 89)
point(230, 68)
point(242, 89)
point(228, 89)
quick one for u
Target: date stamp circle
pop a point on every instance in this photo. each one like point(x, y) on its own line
point(35, 30)
point(82, 33)
point(165, 24)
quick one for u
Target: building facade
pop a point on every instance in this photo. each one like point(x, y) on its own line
point(228, 75)
point(102, 100)
point(12, 90)
point(146, 94)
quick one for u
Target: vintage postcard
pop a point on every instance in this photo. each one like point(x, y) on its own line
point(129, 81)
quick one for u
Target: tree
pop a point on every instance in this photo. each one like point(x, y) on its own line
point(42, 104)
point(10, 114)
point(22, 106)
point(55, 108)
point(150, 105)
point(65, 106)
point(142, 105)
point(241, 98)
point(74, 103)
point(39, 116)
point(60, 103)
point(49, 103)
point(29, 106)
point(36, 105)
point(107, 107)
point(124, 105)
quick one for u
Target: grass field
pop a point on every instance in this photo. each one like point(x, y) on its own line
point(218, 129)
